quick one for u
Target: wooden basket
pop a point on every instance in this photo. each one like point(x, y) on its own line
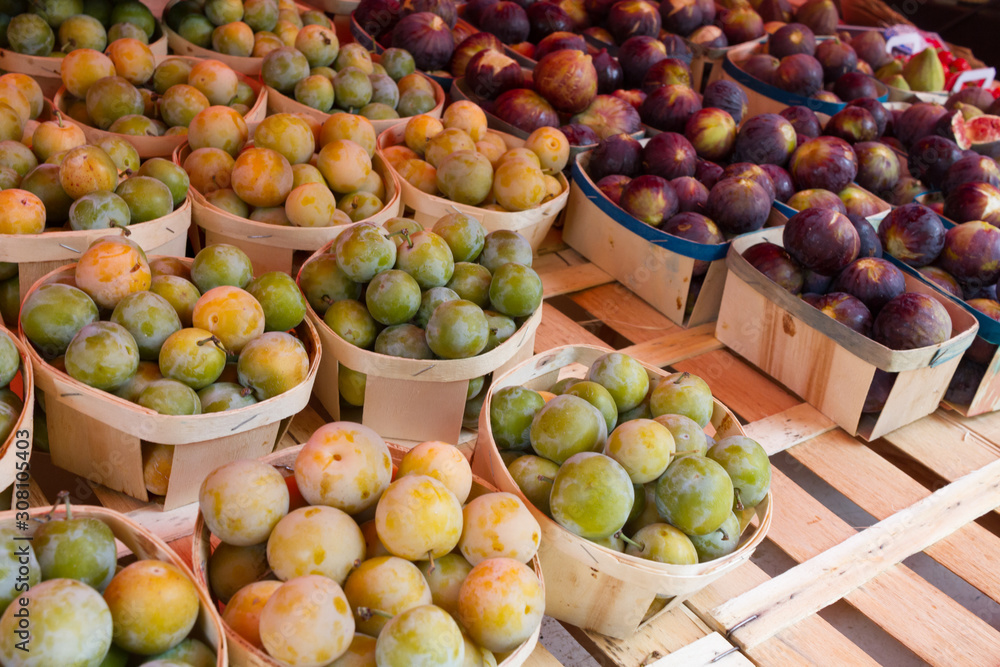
point(16, 449)
point(281, 103)
point(244, 654)
point(164, 146)
point(590, 586)
point(765, 98)
point(47, 70)
point(38, 254)
point(99, 436)
point(273, 247)
point(413, 400)
point(827, 364)
point(427, 209)
point(145, 545)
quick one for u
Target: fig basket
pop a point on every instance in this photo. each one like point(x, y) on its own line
point(590, 586)
point(99, 436)
point(244, 654)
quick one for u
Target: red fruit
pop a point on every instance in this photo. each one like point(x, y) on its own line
point(650, 199)
point(846, 309)
point(774, 262)
point(911, 321)
point(525, 109)
point(428, 39)
point(567, 79)
point(491, 73)
point(822, 240)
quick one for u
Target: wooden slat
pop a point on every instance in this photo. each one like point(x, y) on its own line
point(944, 446)
point(710, 651)
point(557, 329)
point(626, 313)
point(572, 279)
point(744, 389)
point(676, 346)
point(987, 425)
point(883, 489)
point(788, 428)
point(167, 525)
point(572, 257)
point(937, 629)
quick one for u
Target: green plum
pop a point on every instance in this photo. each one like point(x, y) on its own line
point(562, 386)
point(121, 151)
point(197, 29)
point(273, 363)
point(472, 283)
point(748, 466)
point(354, 55)
point(503, 246)
point(324, 283)
point(378, 111)
point(565, 426)
point(10, 359)
point(110, 98)
point(683, 394)
point(425, 636)
point(147, 198)
point(359, 205)
point(103, 355)
point(170, 174)
point(221, 264)
point(720, 542)
point(350, 320)
point(400, 229)
point(534, 476)
point(221, 12)
point(429, 302)
point(31, 35)
point(281, 299)
point(133, 11)
point(511, 413)
point(591, 496)
point(55, 12)
point(148, 371)
point(384, 91)
point(260, 15)
point(283, 68)
point(689, 437)
point(393, 297)
point(82, 32)
point(172, 71)
point(695, 494)
point(150, 319)
point(623, 377)
point(515, 290)
point(315, 91)
point(599, 397)
point(127, 30)
point(501, 329)
point(10, 411)
point(192, 356)
point(398, 63)
point(415, 102)
point(663, 543)
point(475, 386)
point(351, 384)
point(99, 210)
point(43, 182)
point(15, 554)
point(170, 397)
point(363, 251)
point(642, 446)
point(352, 88)
point(403, 340)
point(81, 548)
point(319, 44)
point(180, 293)
point(457, 330)
point(221, 396)
point(190, 652)
point(427, 257)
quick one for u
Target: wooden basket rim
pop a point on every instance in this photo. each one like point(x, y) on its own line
point(131, 533)
point(201, 545)
point(48, 246)
point(150, 425)
point(557, 358)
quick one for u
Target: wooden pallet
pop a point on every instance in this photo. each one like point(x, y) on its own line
point(821, 590)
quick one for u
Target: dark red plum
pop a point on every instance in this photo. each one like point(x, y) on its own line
point(708, 173)
point(558, 41)
point(691, 194)
point(738, 205)
point(608, 115)
point(822, 240)
point(676, 46)
point(875, 108)
point(823, 162)
point(753, 172)
point(860, 202)
point(681, 16)
point(609, 73)
point(649, 199)
point(712, 132)
point(973, 201)
point(972, 253)
point(762, 67)
point(878, 393)
point(820, 15)
point(667, 72)
point(846, 309)
point(774, 262)
point(634, 98)
point(837, 58)
point(966, 380)
point(619, 154)
point(917, 122)
point(469, 47)
point(804, 120)
point(580, 135)
point(637, 55)
point(630, 18)
point(791, 39)
point(694, 227)
point(906, 191)
point(697, 282)
point(816, 198)
point(669, 155)
point(525, 109)
point(930, 158)
point(971, 169)
point(765, 139)
point(782, 181)
point(507, 20)
point(878, 167)
point(874, 281)
point(852, 124)
point(912, 234)
point(490, 74)
point(912, 320)
point(668, 108)
point(870, 47)
point(855, 85)
point(709, 37)
point(612, 186)
point(546, 18)
point(428, 39)
point(740, 24)
point(942, 279)
point(728, 96)
point(800, 74)
point(870, 245)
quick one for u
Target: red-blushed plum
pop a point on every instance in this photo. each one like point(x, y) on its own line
point(917, 122)
point(580, 135)
point(628, 18)
point(709, 37)
point(681, 17)
point(791, 39)
point(782, 181)
point(762, 66)
point(691, 194)
point(507, 20)
point(820, 15)
point(774, 262)
point(525, 109)
point(870, 245)
point(822, 240)
point(609, 114)
point(666, 72)
point(708, 173)
point(469, 47)
point(988, 307)
point(972, 252)
point(878, 167)
point(852, 124)
point(765, 139)
point(913, 234)
point(965, 383)
point(634, 98)
point(754, 172)
point(668, 108)
point(612, 186)
point(636, 55)
point(875, 108)
point(837, 58)
point(800, 74)
point(860, 202)
point(740, 24)
point(816, 198)
point(546, 18)
point(971, 169)
point(912, 320)
point(930, 158)
point(428, 39)
point(609, 72)
point(567, 79)
point(490, 73)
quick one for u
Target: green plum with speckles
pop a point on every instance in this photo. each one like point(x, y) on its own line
point(190, 652)
point(221, 264)
point(403, 340)
point(148, 371)
point(363, 251)
point(179, 292)
point(424, 636)
point(272, 364)
point(689, 437)
point(170, 174)
point(565, 426)
point(511, 413)
point(150, 319)
point(515, 290)
point(324, 283)
point(103, 355)
point(53, 314)
point(501, 329)
point(10, 411)
point(398, 63)
point(472, 283)
point(430, 300)
point(351, 385)
point(599, 397)
point(722, 541)
point(170, 397)
point(31, 35)
point(350, 320)
point(465, 235)
point(503, 246)
point(534, 476)
point(748, 466)
point(427, 258)
point(283, 68)
point(222, 396)
point(624, 378)
point(110, 98)
point(10, 359)
point(192, 356)
point(11, 551)
point(393, 297)
point(695, 494)
point(457, 330)
point(99, 210)
point(683, 394)
point(80, 548)
point(663, 543)
point(281, 299)
point(591, 496)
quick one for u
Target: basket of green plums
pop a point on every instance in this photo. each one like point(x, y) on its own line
point(386, 89)
point(17, 402)
point(642, 482)
point(87, 606)
point(414, 320)
point(156, 370)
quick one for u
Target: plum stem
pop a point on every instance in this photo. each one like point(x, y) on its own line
point(543, 478)
point(405, 233)
point(683, 376)
point(245, 391)
point(430, 557)
point(366, 613)
point(59, 118)
point(739, 501)
point(725, 535)
point(61, 498)
point(628, 540)
point(215, 341)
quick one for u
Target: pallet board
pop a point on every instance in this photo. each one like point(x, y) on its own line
point(926, 488)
